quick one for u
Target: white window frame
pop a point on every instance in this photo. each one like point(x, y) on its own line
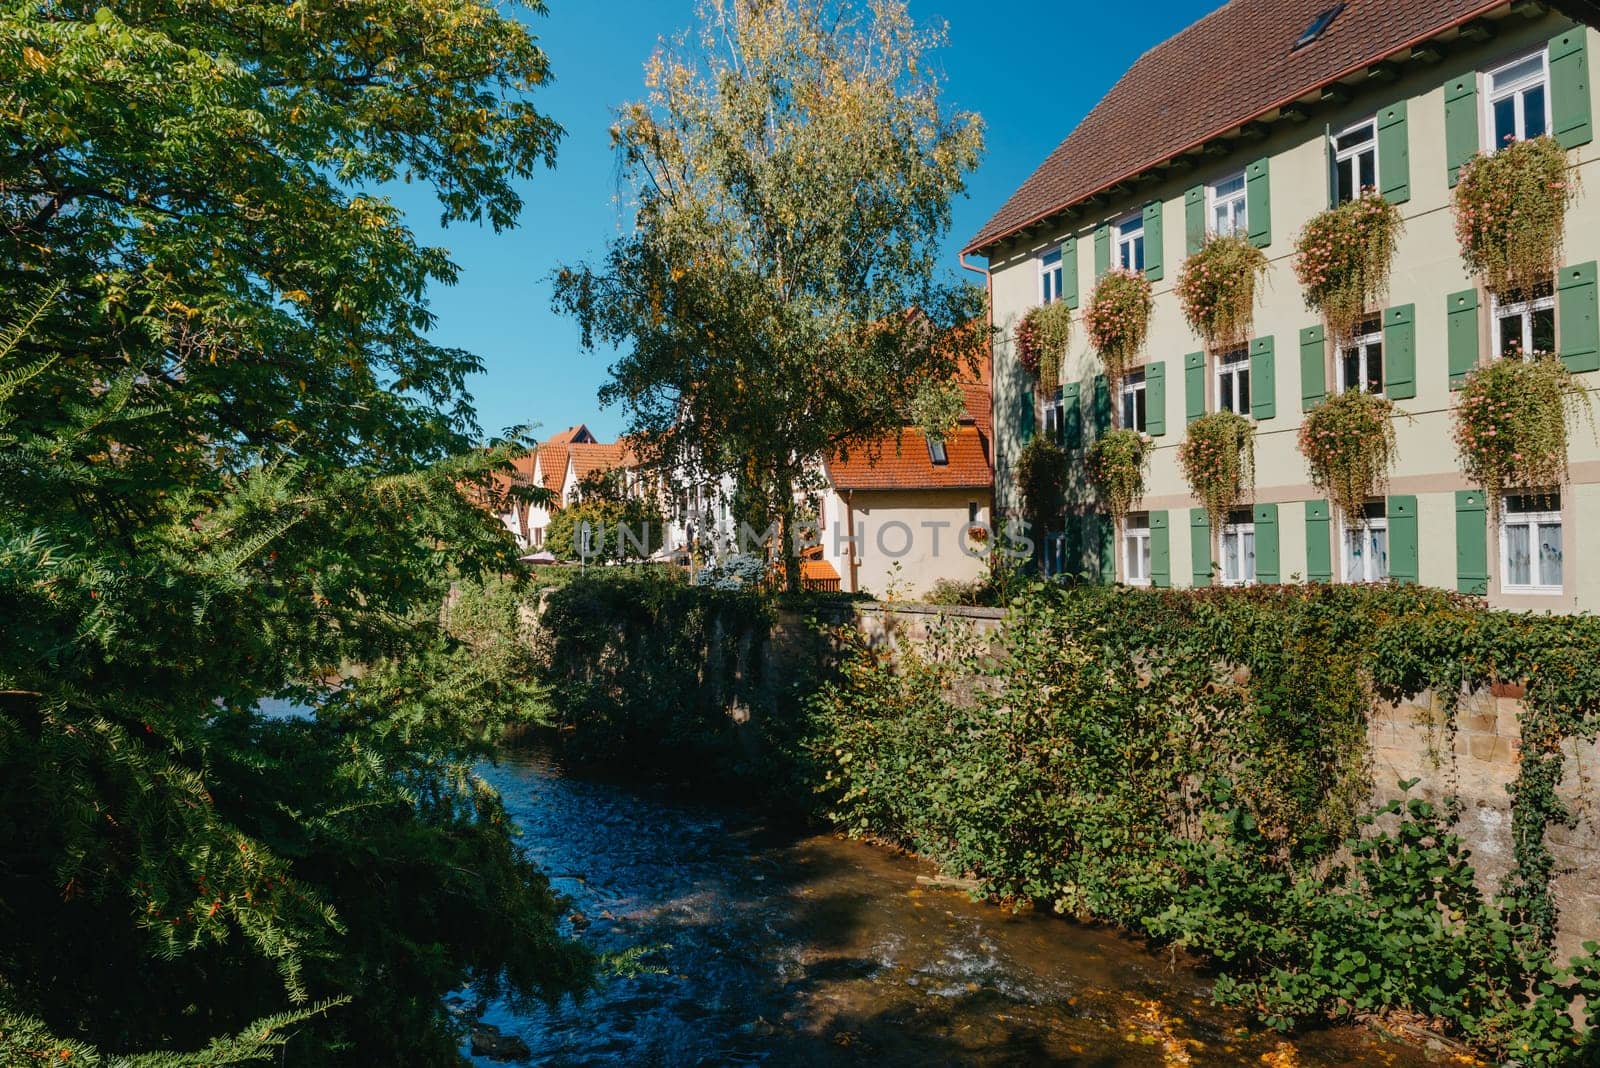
point(1131, 390)
point(938, 453)
point(1531, 520)
point(1368, 525)
point(1238, 531)
point(1128, 241)
point(1493, 94)
point(1055, 418)
point(1237, 204)
point(1237, 368)
point(1499, 309)
point(1052, 276)
point(1363, 343)
point(1353, 156)
point(1136, 549)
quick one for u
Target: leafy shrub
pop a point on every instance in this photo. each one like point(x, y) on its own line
point(1118, 319)
point(936, 410)
point(1348, 442)
point(1117, 466)
point(1511, 423)
point(1218, 460)
point(1511, 212)
point(1218, 288)
point(1343, 258)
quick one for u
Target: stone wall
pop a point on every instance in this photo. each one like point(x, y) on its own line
point(1473, 761)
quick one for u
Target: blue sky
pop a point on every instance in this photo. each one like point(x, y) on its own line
point(1031, 69)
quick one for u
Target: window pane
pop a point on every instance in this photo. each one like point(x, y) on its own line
point(1549, 554)
point(1533, 112)
point(1378, 565)
point(1138, 411)
point(1510, 335)
point(1505, 121)
point(1350, 370)
point(1138, 253)
point(1544, 330)
point(1243, 393)
point(1518, 569)
point(1248, 550)
point(1369, 170)
point(1353, 571)
point(1233, 185)
point(1225, 393)
point(1375, 367)
point(1346, 179)
point(1528, 68)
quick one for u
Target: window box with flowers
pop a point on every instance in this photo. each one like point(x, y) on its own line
point(1349, 444)
point(1511, 211)
point(1218, 461)
point(1118, 462)
point(1512, 424)
point(1218, 289)
point(1042, 340)
point(1118, 320)
point(1343, 258)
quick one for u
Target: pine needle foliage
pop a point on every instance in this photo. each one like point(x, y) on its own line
point(232, 466)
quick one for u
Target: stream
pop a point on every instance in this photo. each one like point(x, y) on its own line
point(764, 946)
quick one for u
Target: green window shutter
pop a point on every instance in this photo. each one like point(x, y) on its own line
point(1403, 540)
point(1569, 88)
point(1319, 542)
point(1071, 416)
point(1268, 571)
point(1072, 530)
point(1108, 550)
point(1152, 241)
point(1579, 322)
point(1102, 406)
point(1027, 416)
point(1460, 122)
point(1194, 385)
point(1313, 366)
point(1258, 202)
point(1160, 552)
point(1102, 252)
point(1462, 327)
point(1194, 219)
point(1069, 272)
point(1394, 154)
point(1400, 352)
point(1155, 399)
point(1200, 546)
point(1263, 379)
point(1472, 542)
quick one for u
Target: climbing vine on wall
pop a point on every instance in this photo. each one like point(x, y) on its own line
point(1512, 423)
point(1042, 340)
point(1349, 443)
point(1511, 211)
point(1118, 320)
point(1218, 459)
point(1218, 288)
point(1118, 462)
point(1343, 258)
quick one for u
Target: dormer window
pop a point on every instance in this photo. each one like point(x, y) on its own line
point(937, 453)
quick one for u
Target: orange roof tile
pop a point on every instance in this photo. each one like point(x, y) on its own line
point(901, 461)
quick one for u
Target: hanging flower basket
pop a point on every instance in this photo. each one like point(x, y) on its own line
point(1219, 461)
point(1042, 479)
point(1042, 340)
point(1117, 466)
point(1118, 320)
point(1349, 443)
point(1218, 289)
point(1512, 424)
point(1511, 212)
point(1343, 258)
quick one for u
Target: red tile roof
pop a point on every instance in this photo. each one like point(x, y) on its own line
point(552, 466)
point(596, 459)
point(1232, 66)
point(901, 461)
point(572, 435)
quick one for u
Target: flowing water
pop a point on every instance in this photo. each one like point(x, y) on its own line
point(766, 947)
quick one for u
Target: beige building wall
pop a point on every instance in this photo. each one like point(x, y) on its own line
point(1428, 267)
point(923, 531)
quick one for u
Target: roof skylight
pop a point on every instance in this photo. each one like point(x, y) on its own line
point(1318, 27)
